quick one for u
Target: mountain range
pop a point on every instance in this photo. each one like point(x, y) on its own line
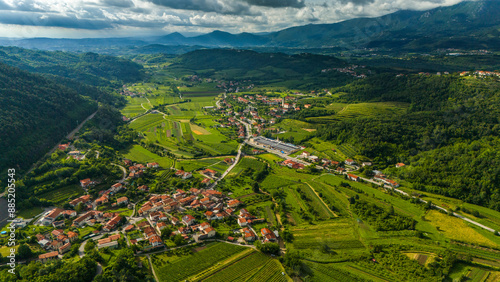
point(467, 25)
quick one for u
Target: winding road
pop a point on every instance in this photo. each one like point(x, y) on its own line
point(248, 126)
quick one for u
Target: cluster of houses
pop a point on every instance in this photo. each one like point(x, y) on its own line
point(283, 105)
point(380, 177)
point(127, 92)
point(292, 164)
point(58, 242)
point(56, 217)
point(149, 234)
point(480, 73)
point(351, 70)
point(232, 122)
point(235, 86)
point(315, 159)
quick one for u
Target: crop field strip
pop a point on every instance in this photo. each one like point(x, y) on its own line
point(317, 202)
point(332, 272)
point(221, 265)
point(62, 194)
point(337, 234)
point(185, 267)
point(240, 269)
point(271, 272)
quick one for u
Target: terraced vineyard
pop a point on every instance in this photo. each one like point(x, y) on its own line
point(347, 150)
point(329, 272)
point(271, 272)
point(249, 265)
point(185, 267)
point(241, 269)
point(337, 234)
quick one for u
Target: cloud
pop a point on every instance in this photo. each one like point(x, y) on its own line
point(277, 3)
point(32, 19)
point(117, 17)
point(357, 2)
point(118, 3)
point(4, 6)
point(216, 6)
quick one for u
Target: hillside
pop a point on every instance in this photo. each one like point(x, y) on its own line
point(448, 136)
point(297, 71)
point(444, 27)
point(35, 113)
point(221, 59)
point(440, 28)
point(88, 68)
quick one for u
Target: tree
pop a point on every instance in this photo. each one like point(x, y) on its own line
point(268, 248)
point(255, 187)
point(89, 246)
point(287, 236)
point(165, 233)
point(79, 207)
point(178, 240)
point(24, 251)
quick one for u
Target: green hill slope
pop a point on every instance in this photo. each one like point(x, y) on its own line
point(35, 113)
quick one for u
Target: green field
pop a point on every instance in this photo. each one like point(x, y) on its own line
point(338, 234)
point(139, 154)
point(216, 164)
point(174, 268)
point(63, 194)
point(350, 111)
point(299, 130)
point(184, 138)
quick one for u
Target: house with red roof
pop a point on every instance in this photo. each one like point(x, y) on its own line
point(268, 235)
point(248, 234)
point(122, 200)
point(233, 203)
point(349, 162)
point(242, 222)
point(65, 248)
point(188, 220)
point(209, 172)
point(353, 177)
point(43, 258)
point(183, 174)
point(86, 182)
point(153, 165)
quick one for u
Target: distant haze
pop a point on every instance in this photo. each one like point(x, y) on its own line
point(123, 18)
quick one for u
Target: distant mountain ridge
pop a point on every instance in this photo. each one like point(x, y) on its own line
point(467, 25)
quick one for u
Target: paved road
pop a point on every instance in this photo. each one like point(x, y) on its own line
point(123, 170)
point(81, 250)
point(236, 160)
point(424, 201)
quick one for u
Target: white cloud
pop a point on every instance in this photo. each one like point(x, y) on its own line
point(113, 17)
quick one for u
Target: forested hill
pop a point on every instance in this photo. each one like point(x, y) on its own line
point(449, 136)
point(88, 68)
point(224, 59)
point(35, 113)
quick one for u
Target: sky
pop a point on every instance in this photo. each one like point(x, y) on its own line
point(124, 18)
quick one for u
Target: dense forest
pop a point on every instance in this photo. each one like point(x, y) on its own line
point(223, 59)
point(35, 114)
point(301, 71)
point(88, 68)
point(449, 134)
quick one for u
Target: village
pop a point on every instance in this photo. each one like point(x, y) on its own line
point(188, 214)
